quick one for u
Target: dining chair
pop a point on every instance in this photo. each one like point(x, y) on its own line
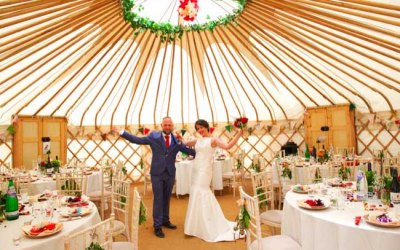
point(263, 189)
point(132, 244)
point(102, 196)
point(120, 206)
point(98, 235)
point(71, 184)
point(254, 238)
point(146, 177)
point(23, 181)
point(234, 178)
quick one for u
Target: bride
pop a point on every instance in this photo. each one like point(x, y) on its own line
point(204, 216)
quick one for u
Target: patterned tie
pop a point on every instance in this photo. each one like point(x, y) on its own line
point(167, 141)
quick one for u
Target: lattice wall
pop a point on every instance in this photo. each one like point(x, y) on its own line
point(264, 140)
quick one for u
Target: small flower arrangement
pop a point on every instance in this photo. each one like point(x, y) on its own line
point(142, 213)
point(238, 163)
point(243, 218)
point(286, 171)
point(241, 122)
point(344, 173)
point(94, 246)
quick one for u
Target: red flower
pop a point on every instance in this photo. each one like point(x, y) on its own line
point(240, 122)
point(188, 9)
point(397, 122)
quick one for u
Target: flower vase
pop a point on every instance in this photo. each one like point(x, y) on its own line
point(385, 196)
point(49, 171)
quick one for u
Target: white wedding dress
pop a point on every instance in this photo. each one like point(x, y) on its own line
point(204, 216)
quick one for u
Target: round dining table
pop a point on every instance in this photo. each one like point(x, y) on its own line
point(10, 230)
point(184, 174)
point(334, 229)
point(93, 183)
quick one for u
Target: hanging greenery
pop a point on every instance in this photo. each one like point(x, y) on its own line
point(169, 32)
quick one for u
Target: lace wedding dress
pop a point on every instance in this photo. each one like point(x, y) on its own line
point(204, 216)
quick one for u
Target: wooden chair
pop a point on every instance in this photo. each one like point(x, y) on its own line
point(134, 236)
point(146, 177)
point(71, 184)
point(99, 233)
point(263, 189)
point(254, 239)
point(120, 206)
point(233, 179)
point(22, 182)
point(104, 194)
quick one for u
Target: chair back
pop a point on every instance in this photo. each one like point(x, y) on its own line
point(71, 184)
point(263, 189)
point(23, 182)
point(120, 202)
point(135, 219)
point(253, 232)
point(100, 234)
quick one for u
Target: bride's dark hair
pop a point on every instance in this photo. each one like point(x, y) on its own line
point(202, 123)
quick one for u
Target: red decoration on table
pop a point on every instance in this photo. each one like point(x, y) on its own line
point(357, 220)
point(146, 131)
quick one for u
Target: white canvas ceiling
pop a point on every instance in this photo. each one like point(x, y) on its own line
point(79, 59)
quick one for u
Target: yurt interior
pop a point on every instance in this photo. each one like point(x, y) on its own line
point(200, 124)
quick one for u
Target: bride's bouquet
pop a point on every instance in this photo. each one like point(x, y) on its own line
point(241, 122)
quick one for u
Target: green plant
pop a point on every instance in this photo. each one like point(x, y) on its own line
point(370, 175)
point(169, 32)
point(317, 176)
point(94, 246)
point(3, 198)
point(286, 172)
point(344, 173)
point(243, 218)
point(261, 197)
point(238, 163)
point(71, 185)
point(387, 181)
point(142, 213)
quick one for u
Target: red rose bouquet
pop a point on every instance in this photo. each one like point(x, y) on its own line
point(241, 122)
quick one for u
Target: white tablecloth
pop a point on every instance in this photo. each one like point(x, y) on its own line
point(93, 184)
point(13, 228)
point(184, 175)
point(333, 229)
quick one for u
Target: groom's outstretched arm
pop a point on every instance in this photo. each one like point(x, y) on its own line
point(134, 139)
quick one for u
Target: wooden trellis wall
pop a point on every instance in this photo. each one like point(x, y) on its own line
point(265, 140)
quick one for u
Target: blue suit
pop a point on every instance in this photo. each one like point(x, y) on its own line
point(162, 170)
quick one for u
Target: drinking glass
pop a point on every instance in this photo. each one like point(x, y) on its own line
point(24, 195)
point(37, 210)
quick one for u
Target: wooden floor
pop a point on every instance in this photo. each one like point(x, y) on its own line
point(176, 239)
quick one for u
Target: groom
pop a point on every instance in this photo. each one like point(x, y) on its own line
point(164, 146)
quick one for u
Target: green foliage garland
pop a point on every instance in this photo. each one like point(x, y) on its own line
point(167, 31)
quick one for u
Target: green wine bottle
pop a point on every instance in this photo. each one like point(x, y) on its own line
point(307, 153)
point(11, 202)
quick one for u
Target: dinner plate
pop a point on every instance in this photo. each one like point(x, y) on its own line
point(302, 204)
point(71, 212)
point(27, 230)
point(393, 224)
point(84, 199)
point(299, 191)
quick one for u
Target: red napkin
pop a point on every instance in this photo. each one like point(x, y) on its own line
point(357, 220)
point(83, 204)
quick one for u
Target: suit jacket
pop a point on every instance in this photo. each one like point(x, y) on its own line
point(163, 159)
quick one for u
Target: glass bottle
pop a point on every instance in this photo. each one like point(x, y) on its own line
point(307, 153)
point(395, 188)
point(11, 202)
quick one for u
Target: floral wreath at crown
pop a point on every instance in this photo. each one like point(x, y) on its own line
point(188, 9)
